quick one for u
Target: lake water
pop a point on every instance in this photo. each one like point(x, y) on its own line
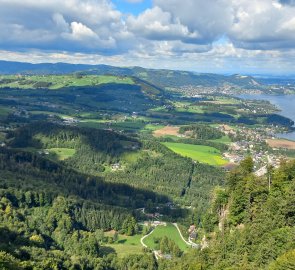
point(286, 103)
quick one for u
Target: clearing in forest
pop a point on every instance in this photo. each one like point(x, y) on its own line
point(160, 231)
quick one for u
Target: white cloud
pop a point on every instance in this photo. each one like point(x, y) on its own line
point(184, 31)
point(155, 24)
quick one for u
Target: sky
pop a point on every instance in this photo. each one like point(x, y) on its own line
point(217, 36)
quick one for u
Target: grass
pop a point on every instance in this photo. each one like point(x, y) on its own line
point(153, 127)
point(224, 139)
point(170, 231)
point(61, 81)
point(127, 245)
point(201, 153)
point(62, 153)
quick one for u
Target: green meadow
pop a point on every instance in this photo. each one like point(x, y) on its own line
point(201, 153)
point(170, 231)
point(57, 82)
point(127, 245)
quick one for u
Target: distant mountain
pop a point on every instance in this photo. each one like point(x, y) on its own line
point(160, 77)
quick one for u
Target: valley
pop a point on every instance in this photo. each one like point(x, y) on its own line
point(103, 166)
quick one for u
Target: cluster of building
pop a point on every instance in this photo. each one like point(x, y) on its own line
point(252, 142)
point(227, 89)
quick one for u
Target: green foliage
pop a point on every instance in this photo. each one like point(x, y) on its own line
point(201, 132)
point(201, 153)
point(284, 262)
point(260, 224)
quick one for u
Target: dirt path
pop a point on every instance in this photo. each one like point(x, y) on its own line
point(189, 242)
point(144, 237)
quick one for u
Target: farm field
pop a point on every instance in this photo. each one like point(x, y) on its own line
point(170, 231)
point(201, 153)
point(57, 82)
point(168, 130)
point(280, 143)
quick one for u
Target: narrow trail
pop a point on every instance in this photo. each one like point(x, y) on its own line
point(142, 238)
point(155, 252)
point(144, 245)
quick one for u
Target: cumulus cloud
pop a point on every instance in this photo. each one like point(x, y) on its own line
point(170, 30)
point(263, 25)
point(210, 19)
point(93, 25)
point(156, 24)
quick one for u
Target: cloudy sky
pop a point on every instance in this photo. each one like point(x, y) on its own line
point(224, 36)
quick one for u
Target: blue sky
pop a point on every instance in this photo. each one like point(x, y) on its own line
point(223, 36)
point(135, 8)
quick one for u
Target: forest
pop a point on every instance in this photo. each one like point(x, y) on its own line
point(249, 225)
point(81, 172)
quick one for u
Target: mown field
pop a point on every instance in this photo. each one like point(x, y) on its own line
point(170, 231)
point(201, 153)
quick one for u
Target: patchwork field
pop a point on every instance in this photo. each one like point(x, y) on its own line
point(277, 143)
point(201, 153)
point(170, 231)
point(57, 82)
point(168, 130)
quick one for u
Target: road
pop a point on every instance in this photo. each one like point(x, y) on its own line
point(189, 242)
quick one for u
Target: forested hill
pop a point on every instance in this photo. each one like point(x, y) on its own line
point(251, 223)
point(160, 77)
point(62, 187)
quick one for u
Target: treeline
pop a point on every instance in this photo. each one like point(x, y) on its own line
point(31, 172)
point(156, 168)
point(94, 147)
point(256, 220)
point(56, 235)
point(201, 132)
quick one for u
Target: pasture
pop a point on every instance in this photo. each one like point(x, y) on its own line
point(170, 231)
point(201, 153)
point(127, 245)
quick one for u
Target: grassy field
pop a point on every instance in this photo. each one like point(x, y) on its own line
point(201, 153)
point(62, 153)
point(224, 139)
point(170, 231)
point(57, 82)
point(127, 245)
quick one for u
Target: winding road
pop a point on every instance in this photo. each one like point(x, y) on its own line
point(189, 243)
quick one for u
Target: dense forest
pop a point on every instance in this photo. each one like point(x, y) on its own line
point(77, 169)
point(250, 224)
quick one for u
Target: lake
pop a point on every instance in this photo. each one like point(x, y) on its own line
point(286, 103)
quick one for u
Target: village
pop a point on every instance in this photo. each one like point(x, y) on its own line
point(252, 142)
